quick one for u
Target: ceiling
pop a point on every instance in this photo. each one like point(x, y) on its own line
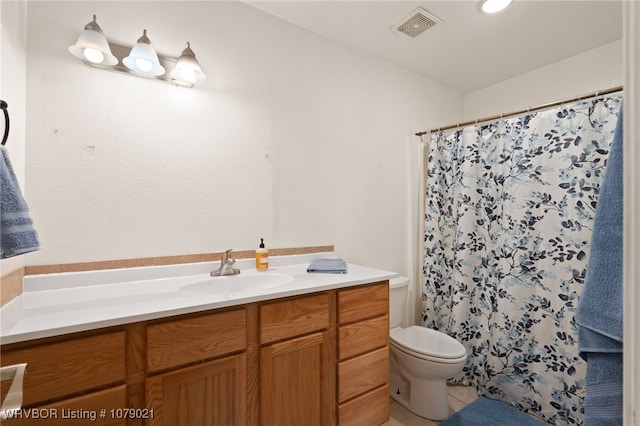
point(470, 50)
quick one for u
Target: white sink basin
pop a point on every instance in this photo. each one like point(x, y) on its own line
point(259, 282)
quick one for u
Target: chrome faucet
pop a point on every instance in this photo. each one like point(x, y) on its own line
point(226, 265)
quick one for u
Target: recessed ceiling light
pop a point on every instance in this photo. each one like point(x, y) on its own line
point(492, 6)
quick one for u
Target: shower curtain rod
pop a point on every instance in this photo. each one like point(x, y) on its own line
point(531, 109)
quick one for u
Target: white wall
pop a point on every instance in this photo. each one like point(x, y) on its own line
point(293, 138)
point(13, 45)
point(594, 70)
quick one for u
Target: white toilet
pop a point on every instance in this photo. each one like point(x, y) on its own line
point(422, 360)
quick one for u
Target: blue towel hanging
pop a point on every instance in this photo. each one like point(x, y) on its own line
point(17, 235)
point(599, 315)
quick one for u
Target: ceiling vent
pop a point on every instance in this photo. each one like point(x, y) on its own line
point(417, 22)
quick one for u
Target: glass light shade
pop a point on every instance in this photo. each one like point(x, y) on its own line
point(143, 59)
point(492, 6)
point(187, 68)
point(92, 46)
point(93, 55)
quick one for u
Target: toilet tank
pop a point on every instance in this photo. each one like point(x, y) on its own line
point(398, 292)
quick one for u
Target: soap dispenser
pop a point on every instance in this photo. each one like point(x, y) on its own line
point(262, 257)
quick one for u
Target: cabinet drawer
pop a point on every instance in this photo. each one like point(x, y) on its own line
point(55, 370)
point(80, 411)
point(363, 302)
point(364, 336)
point(363, 373)
point(293, 317)
point(180, 342)
point(370, 409)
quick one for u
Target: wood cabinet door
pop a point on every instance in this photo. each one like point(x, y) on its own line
point(295, 385)
point(208, 394)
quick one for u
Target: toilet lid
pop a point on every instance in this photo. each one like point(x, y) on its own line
point(422, 340)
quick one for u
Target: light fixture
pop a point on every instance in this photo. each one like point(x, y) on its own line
point(187, 68)
point(143, 58)
point(92, 46)
point(492, 6)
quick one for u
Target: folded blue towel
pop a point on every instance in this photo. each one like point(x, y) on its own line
point(328, 266)
point(17, 235)
point(600, 304)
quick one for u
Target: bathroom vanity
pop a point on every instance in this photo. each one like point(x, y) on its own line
point(312, 350)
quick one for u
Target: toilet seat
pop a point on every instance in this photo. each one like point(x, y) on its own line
point(428, 344)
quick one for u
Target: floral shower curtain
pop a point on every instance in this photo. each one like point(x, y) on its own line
point(509, 211)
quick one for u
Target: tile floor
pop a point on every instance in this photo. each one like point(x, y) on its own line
point(459, 396)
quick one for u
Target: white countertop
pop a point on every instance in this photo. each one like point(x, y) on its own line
point(55, 304)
